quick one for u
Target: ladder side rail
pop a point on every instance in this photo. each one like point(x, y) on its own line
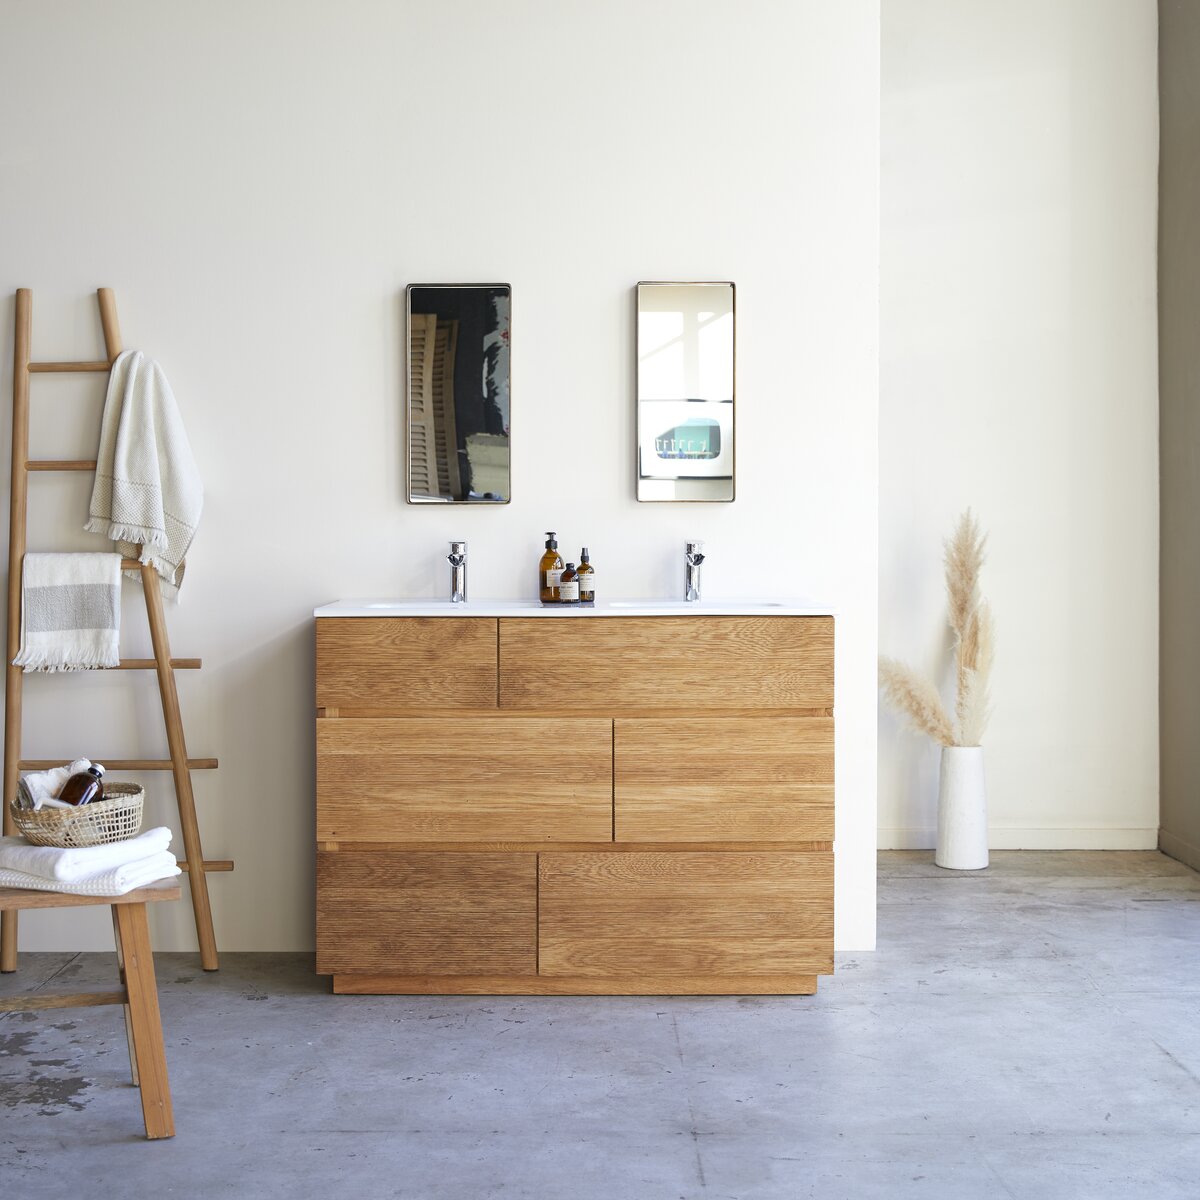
point(17, 512)
point(176, 744)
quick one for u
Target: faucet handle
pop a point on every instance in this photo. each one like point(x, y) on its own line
point(458, 553)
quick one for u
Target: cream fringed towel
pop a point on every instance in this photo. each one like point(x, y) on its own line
point(148, 490)
point(70, 612)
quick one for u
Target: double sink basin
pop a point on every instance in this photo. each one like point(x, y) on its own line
point(531, 608)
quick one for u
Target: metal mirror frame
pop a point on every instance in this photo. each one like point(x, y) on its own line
point(637, 415)
point(408, 492)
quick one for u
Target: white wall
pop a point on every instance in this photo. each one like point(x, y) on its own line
point(1019, 146)
point(260, 181)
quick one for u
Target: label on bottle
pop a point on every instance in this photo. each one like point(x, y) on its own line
point(568, 591)
point(552, 577)
point(587, 581)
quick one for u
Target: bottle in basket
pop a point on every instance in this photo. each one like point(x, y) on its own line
point(84, 787)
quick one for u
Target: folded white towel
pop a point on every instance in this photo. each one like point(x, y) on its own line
point(105, 883)
point(72, 865)
point(148, 492)
point(70, 612)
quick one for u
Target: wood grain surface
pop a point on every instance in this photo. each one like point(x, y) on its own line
point(723, 779)
point(145, 1020)
point(475, 779)
point(598, 985)
point(638, 664)
point(15, 899)
point(388, 662)
point(685, 914)
point(739, 847)
point(380, 912)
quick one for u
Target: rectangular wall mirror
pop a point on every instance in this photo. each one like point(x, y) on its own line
point(685, 385)
point(459, 393)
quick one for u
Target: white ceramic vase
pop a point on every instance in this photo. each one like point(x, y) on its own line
point(962, 836)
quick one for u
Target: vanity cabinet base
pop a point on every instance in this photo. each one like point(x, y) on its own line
point(665, 830)
point(541, 985)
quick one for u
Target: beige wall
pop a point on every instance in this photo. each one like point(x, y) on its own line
point(1179, 398)
point(1018, 376)
point(260, 181)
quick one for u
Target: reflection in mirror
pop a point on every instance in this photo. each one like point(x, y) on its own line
point(459, 393)
point(685, 340)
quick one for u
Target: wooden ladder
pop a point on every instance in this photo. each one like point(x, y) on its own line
point(179, 764)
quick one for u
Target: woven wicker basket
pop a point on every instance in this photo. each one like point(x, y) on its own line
point(117, 817)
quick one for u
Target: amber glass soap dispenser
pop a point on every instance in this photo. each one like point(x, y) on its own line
point(550, 571)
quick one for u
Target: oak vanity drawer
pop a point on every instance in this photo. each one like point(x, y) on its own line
point(723, 779)
point(466, 779)
point(646, 663)
point(404, 663)
point(383, 912)
point(685, 914)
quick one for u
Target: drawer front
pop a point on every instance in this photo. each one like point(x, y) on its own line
point(468, 779)
point(685, 914)
point(644, 663)
point(406, 662)
point(381, 912)
point(724, 779)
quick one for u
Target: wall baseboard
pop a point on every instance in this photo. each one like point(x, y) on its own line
point(1179, 848)
point(1098, 837)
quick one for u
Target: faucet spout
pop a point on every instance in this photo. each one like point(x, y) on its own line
point(457, 558)
point(693, 556)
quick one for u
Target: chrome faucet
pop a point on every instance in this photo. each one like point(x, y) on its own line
point(457, 558)
point(691, 582)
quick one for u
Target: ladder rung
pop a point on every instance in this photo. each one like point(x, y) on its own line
point(51, 368)
point(210, 865)
point(148, 664)
point(119, 764)
point(61, 464)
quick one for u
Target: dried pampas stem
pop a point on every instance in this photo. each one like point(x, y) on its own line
point(974, 671)
point(917, 698)
point(974, 639)
point(973, 709)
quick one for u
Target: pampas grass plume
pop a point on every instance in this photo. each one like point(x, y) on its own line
point(974, 640)
point(917, 698)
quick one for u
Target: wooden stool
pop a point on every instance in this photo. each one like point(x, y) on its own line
point(138, 992)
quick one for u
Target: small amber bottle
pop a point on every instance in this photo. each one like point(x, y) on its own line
point(549, 570)
point(587, 578)
point(568, 586)
point(84, 787)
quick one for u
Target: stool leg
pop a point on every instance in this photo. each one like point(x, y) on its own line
point(8, 941)
point(133, 937)
point(133, 1071)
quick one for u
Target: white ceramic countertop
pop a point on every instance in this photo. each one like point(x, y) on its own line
point(608, 608)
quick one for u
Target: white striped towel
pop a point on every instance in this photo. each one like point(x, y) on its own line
point(148, 492)
point(70, 612)
point(80, 862)
point(116, 882)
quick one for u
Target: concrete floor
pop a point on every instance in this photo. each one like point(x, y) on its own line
point(1028, 1032)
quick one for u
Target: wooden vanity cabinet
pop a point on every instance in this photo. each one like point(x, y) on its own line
point(666, 827)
